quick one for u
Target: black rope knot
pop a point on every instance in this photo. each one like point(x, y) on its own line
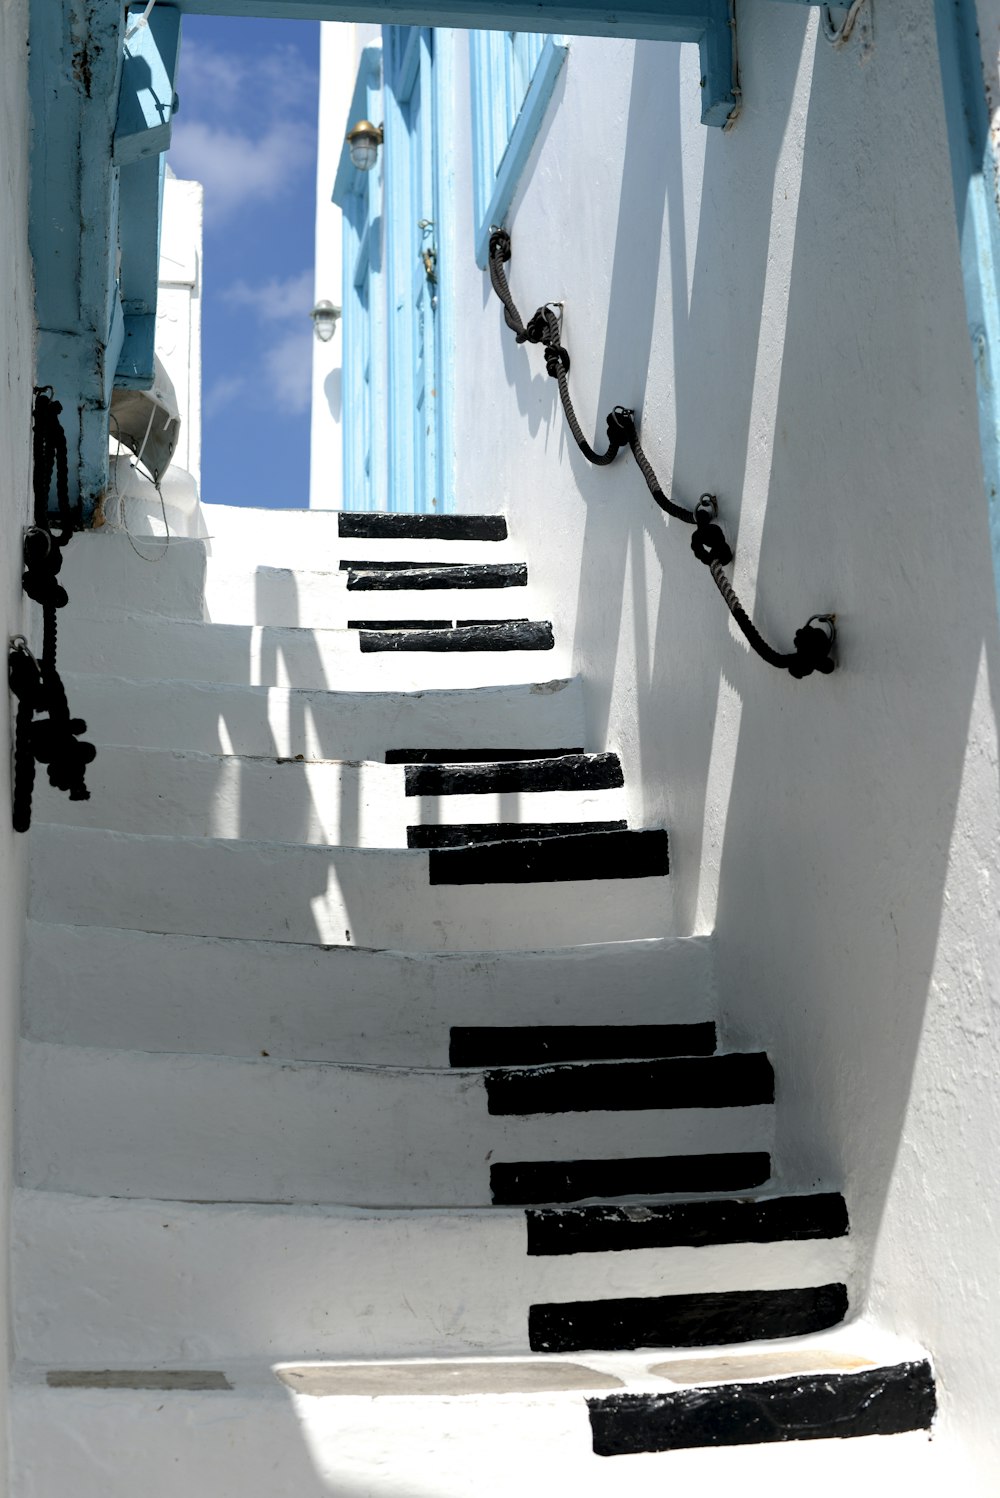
point(556, 360)
point(56, 743)
point(537, 329)
point(709, 543)
point(500, 245)
point(813, 645)
point(42, 562)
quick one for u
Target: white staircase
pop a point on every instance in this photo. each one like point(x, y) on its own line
point(375, 1136)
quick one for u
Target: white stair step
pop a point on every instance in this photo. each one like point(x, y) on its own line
point(433, 1282)
point(406, 1429)
point(321, 600)
point(366, 897)
point(236, 594)
point(210, 1128)
point(347, 804)
point(253, 655)
point(209, 717)
point(148, 992)
point(289, 538)
point(103, 568)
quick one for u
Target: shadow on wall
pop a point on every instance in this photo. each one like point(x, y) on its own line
point(699, 347)
point(817, 377)
point(838, 850)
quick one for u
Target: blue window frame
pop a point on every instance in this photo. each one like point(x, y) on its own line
point(512, 75)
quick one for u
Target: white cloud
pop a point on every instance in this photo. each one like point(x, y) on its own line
point(215, 82)
point(276, 299)
point(222, 393)
point(236, 168)
point(288, 370)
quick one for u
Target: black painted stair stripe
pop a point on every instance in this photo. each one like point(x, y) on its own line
point(573, 772)
point(375, 577)
point(588, 855)
point(532, 635)
point(528, 1045)
point(382, 525)
point(470, 756)
point(731, 1081)
point(702, 1319)
point(519, 1183)
point(400, 624)
point(606, 1229)
point(462, 834)
point(882, 1401)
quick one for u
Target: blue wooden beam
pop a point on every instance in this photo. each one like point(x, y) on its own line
point(101, 112)
point(74, 75)
point(139, 218)
point(147, 101)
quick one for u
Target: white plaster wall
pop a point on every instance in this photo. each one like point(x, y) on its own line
point(16, 378)
point(338, 68)
point(178, 311)
point(783, 304)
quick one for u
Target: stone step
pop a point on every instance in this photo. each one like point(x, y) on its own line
point(392, 899)
point(211, 1128)
point(568, 772)
point(103, 568)
point(378, 526)
point(292, 538)
point(449, 578)
point(331, 802)
point(324, 600)
point(317, 724)
point(435, 1282)
point(342, 659)
point(395, 1429)
point(157, 992)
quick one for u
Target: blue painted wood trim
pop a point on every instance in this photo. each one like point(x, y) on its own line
point(140, 216)
point(495, 193)
point(976, 179)
point(348, 179)
point(79, 242)
point(445, 44)
point(147, 101)
point(74, 75)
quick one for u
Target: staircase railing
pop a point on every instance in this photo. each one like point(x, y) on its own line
point(813, 643)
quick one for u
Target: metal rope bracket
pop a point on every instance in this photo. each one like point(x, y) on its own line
point(814, 642)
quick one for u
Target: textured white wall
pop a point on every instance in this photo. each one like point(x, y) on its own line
point(178, 311)
point(783, 304)
point(16, 377)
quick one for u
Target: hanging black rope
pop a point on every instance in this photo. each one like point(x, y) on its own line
point(53, 739)
point(815, 640)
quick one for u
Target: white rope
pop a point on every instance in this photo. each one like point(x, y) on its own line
point(142, 21)
point(122, 517)
point(839, 36)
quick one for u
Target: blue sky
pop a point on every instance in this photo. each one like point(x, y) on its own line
point(246, 128)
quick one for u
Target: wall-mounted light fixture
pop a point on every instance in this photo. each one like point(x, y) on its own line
point(364, 139)
point(325, 317)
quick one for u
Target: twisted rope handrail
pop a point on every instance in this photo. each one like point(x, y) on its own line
point(815, 640)
point(52, 740)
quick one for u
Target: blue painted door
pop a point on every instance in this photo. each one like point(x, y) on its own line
point(413, 209)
